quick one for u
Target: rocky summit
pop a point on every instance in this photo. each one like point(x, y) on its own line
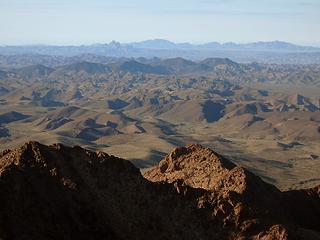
point(58, 192)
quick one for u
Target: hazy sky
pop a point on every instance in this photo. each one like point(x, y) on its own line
point(197, 21)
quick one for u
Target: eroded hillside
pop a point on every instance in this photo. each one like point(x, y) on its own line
point(266, 113)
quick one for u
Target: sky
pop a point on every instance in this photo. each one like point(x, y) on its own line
point(75, 22)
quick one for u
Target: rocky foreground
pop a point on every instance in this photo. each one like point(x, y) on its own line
point(57, 192)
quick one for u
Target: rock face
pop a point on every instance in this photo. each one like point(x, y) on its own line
point(240, 202)
point(57, 192)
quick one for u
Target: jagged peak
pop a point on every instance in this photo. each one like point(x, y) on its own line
point(200, 167)
point(181, 154)
point(24, 154)
point(33, 154)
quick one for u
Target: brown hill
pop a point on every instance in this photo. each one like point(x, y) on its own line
point(241, 202)
point(57, 192)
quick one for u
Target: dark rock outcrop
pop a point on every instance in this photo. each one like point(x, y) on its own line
point(58, 192)
point(240, 202)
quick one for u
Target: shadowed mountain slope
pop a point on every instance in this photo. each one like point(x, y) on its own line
point(57, 192)
point(12, 116)
point(240, 201)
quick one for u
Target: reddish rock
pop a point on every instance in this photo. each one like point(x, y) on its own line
point(240, 202)
point(57, 192)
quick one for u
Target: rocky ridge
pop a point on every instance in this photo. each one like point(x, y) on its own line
point(58, 192)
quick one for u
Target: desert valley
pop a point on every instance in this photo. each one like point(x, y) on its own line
point(265, 117)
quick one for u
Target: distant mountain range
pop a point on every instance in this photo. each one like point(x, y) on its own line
point(259, 46)
point(268, 52)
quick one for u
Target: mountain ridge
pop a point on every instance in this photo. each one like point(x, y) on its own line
point(272, 52)
point(59, 192)
point(167, 44)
